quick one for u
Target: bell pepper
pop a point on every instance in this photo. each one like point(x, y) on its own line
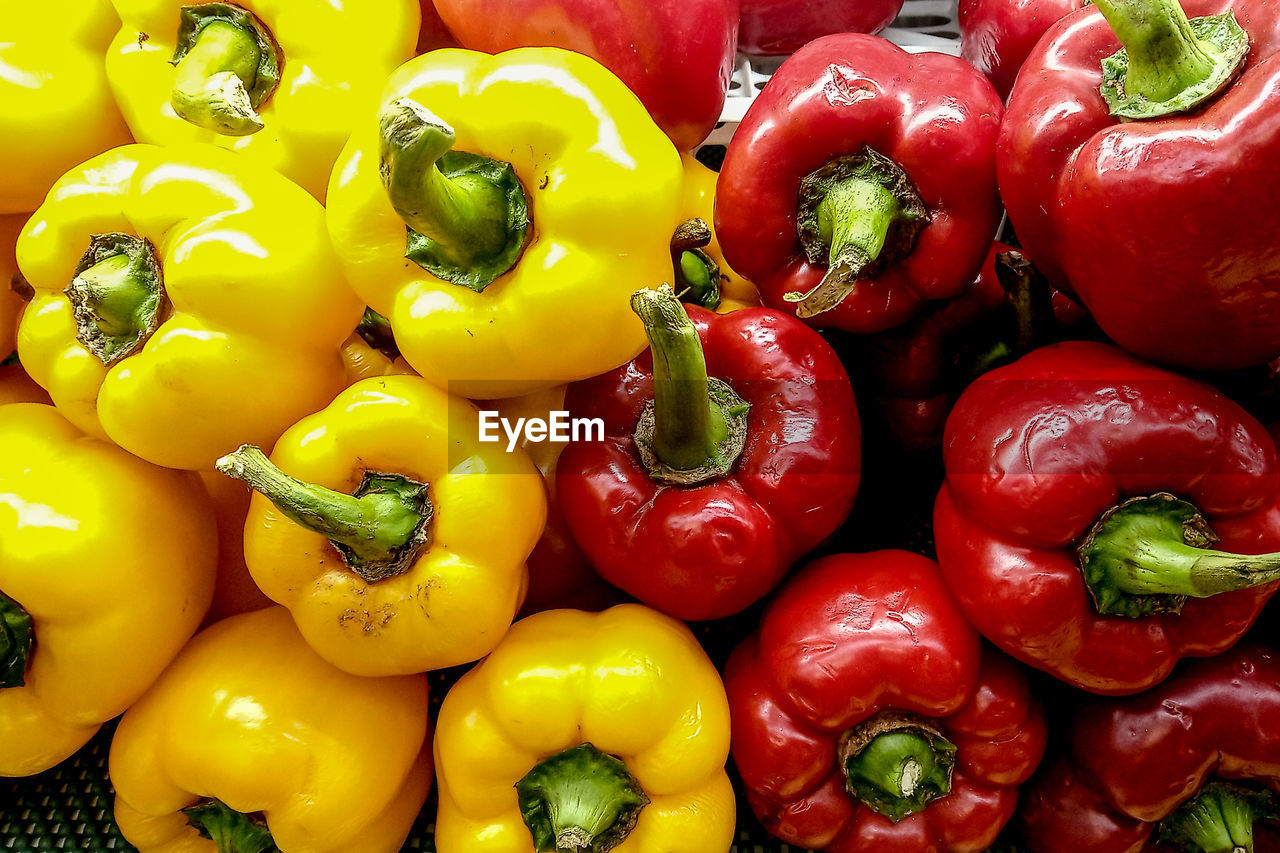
point(234, 590)
point(913, 373)
point(504, 265)
point(779, 27)
point(1094, 159)
point(1193, 763)
point(1085, 491)
point(700, 269)
point(55, 107)
point(730, 449)
point(371, 350)
point(395, 538)
point(186, 301)
point(997, 36)
point(587, 731)
point(560, 575)
point(106, 568)
point(867, 716)
point(676, 55)
point(11, 303)
point(251, 742)
point(279, 82)
point(861, 183)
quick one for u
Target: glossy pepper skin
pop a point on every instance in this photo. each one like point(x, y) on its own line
point(675, 55)
point(851, 636)
point(633, 683)
point(1104, 207)
point(1037, 453)
point(349, 758)
point(699, 203)
point(55, 107)
point(112, 558)
point(332, 58)
point(11, 303)
point(934, 116)
point(709, 550)
point(453, 600)
point(1131, 762)
point(914, 372)
point(603, 188)
point(259, 306)
point(777, 27)
point(997, 36)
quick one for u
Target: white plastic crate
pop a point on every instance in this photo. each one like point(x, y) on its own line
point(922, 25)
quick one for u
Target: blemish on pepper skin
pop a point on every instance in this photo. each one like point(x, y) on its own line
point(143, 37)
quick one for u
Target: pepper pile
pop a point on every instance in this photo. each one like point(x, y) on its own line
point(361, 347)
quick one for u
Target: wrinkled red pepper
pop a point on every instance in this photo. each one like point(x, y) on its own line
point(675, 55)
point(997, 36)
point(1162, 218)
point(778, 27)
point(699, 507)
point(1190, 763)
point(867, 716)
point(861, 183)
point(914, 372)
point(1079, 460)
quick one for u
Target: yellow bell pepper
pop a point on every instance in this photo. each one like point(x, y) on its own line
point(254, 740)
point(699, 203)
point(11, 303)
point(206, 312)
point(511, 757)
point(401, 545)
point(55, 107)
point(276, 80)
point(500, 210)
point(106, 568)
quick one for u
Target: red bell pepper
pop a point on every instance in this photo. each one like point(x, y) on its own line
point(997, 36)
point(861, 183)
point(914, 372)
point(1153, 197)
point(867, 716)
point(676, 55)
point(1194, 763)
point(1083, 491)
point(706, 490)
point(779, 27)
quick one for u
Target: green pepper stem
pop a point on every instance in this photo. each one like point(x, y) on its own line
point(211, 88)
point(1219, 819)
point(1148, 554)
point(468, 213)
point(579, 800)
point(697, 274)
point(375, 330)
point(690, 428)
point(230, 830)
point(15, 642)
point(895, 766)
point(117, 296)
point(378, 530)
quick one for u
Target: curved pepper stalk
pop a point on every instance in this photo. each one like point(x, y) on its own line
point(231, 831)
point(228, 65)
point(580, 800)
point(15, 642)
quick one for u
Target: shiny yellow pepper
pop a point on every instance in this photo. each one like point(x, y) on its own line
point(106, 568)
point(206, 312)
point(254, 740)
point(500, 210)
point(276, 80)
point(512, 736)
point(371, 351)
point(396, 539)
point(699, 203)
point(55, 107)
